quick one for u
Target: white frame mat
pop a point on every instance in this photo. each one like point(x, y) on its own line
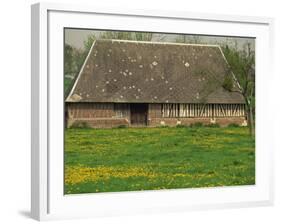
point(48, 200)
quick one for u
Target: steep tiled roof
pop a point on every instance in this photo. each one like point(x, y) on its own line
point(151, 72)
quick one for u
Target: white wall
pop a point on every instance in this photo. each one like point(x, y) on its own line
point(15, 110)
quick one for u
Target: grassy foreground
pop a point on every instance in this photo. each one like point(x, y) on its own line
point(130, 159)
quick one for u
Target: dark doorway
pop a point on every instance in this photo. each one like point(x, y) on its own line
point(139, 114)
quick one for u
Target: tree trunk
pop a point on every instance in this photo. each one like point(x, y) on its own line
point(250, 120)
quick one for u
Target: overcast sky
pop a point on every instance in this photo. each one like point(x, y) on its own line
point(76, 38)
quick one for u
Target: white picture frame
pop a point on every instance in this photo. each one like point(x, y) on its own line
point(48, 201)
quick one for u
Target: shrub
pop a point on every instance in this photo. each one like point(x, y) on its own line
point(212, 125)
point(181, 126)
point(236, 163)
point(251, 153)
point(122, 126)
point(196, 125)
point(228, 83)
point(80, 124)
point(163, 126)
point(233, 125)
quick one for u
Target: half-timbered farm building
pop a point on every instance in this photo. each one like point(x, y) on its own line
point(136, 83)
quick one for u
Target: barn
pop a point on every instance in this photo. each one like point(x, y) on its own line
point(138, 83)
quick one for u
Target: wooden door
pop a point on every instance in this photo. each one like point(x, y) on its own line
point(138, 114)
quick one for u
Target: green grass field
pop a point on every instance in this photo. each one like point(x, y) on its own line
point(132, 159)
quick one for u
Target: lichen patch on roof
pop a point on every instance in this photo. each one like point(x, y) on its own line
point(74, 98)
point(174, 73)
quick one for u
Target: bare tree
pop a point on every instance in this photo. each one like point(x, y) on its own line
point(241, 66)
point(191, 39)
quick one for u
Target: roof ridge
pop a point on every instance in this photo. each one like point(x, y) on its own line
point(158, 42)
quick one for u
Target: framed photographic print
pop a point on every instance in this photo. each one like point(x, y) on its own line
point(148, 111)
